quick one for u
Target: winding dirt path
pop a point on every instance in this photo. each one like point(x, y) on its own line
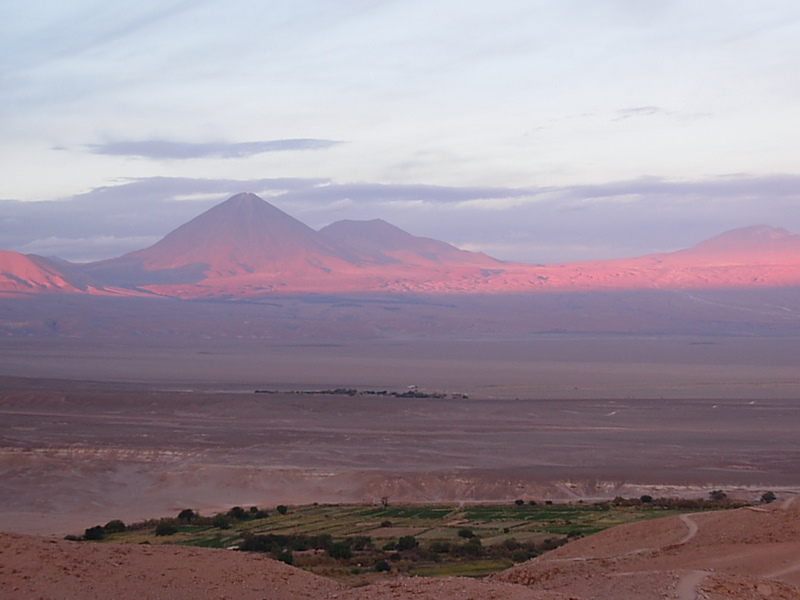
point(691, 525)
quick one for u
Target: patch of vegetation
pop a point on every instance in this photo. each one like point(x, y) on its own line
point(358, 544)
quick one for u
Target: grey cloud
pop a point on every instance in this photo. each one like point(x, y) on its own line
point(162, 149)
point(376, 193)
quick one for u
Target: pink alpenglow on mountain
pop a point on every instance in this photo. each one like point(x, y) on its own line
point(245, 247)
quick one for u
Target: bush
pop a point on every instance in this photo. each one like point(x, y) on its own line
point(471, 547)
point(114, 526)
point(237, 513)
point(519, 556)
point(382, 566)
point(361, 543)
point(466, 533)
point(718, 495)
point(768, 497)
point(220, 521)
point(646, 499)
point(166, 528)
point(282, 509)
point(519, 502)
point(339, 550)
point(285, 556)
point(94, 533)
point(187, 515)
point(407, 542)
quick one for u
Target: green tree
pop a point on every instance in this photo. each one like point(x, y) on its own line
point(187, 515)
point(237, 513)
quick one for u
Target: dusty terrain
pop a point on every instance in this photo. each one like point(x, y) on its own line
point(747, 554)
point(560, 418)
point(94, 430)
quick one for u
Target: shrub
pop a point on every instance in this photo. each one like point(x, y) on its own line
point(282, 509)
point(382, 566)
point(646, 499)
point(187, 515)
point(466, 533)
point(519, 502)
point(220, 521)
point(285, 556)
point(768, 497)
point(361, 542)
point(94, 533)
point(166, 528)
point(339, 550)
point(519, 556)
point(471, 547)
point(718, 495)
point(407, 542)
point(237, 513)
point(114, 526)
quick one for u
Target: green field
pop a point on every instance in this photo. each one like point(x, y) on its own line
point(361, 543)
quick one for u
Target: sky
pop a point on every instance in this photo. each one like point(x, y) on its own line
point(532, 130)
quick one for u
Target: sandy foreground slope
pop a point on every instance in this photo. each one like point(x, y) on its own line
point(745, 554)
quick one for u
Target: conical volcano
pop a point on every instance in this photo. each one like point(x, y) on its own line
point(241, 236)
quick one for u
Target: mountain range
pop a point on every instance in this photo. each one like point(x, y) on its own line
point(245, 248)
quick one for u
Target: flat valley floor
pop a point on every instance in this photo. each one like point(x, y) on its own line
point(93, 431)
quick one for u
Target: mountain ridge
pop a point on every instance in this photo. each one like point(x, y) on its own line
point(245, 247)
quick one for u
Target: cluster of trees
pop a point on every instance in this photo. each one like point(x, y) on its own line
point(171, 526)
point(716, 499)
point(282, 546)
point(98, 532)
point(404, 550)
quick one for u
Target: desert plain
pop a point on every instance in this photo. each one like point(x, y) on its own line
point(94, 431)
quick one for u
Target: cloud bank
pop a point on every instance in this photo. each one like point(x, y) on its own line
point(162, 149)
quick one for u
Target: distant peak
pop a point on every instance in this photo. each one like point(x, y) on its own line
point(244, 198)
